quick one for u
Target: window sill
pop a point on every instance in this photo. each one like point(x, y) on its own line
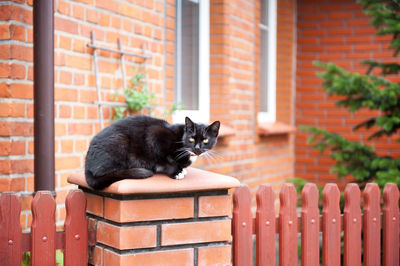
point(276, 128)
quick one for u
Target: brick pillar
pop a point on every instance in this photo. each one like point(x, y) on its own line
point(161, 221)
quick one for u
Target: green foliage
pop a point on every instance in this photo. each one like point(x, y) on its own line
point(139, 98)
point(371, 91)
point(26, 258)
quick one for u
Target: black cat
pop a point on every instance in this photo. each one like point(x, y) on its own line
point(140, 146)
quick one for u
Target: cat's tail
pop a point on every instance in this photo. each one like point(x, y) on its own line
point(100, 182)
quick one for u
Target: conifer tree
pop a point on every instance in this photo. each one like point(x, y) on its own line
point(373, 91)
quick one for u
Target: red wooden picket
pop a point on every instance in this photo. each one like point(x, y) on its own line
point(265, 226)
point(43, 230)
point(288, 226)
point(352, 226)
point(10, 230)
point(331, 225)
point(391, 225)
point(76, 229)
point(372, 225)
point(242, 230)
point(310, 230)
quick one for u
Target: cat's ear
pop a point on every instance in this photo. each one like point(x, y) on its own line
point(189, 124)
point(214, 128)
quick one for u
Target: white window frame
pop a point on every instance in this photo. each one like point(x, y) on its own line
point(202, 115)
point(270, 116)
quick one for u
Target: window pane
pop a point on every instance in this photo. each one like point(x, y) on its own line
point(264, 12)
point(189, 56)
point(263, 74)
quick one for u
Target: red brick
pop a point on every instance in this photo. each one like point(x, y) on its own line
point(21, 166)
point(65, 25)
point(127, 237)
point(23, 91)
point(4, 182)
point(65, 111)
point(21, 129)
point(214, 255)
point(5, 166)
point(5, 148)
point(195, 232)
point(5, 70)
point(80, 129)
point(67, 146)
point(78, 11)
point(79, 62)
point(17, 148)
point(64, 8)
point(64, 94)
point(95, 204)
point(149, 209)
point(17, 184)
point(177, 257)
point(215, 206)
point(5, 33)
point(67, 162)
point(81, 145)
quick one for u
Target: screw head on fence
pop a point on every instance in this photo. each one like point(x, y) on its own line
point(77, 237)
point(44, 239)
point(10, 242)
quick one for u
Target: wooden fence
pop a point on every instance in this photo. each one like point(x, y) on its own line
point(43, 240)
point(353, 223)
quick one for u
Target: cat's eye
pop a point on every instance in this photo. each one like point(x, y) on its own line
point(205, 140)
point(191, 139)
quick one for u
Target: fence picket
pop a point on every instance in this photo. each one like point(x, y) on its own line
point(76, 229)
point(43, 230)
point(242, 227)
point(265, 226)
point(372, 225)
point(10, 229)
point(331, 225)
point(310, 222)
point(288, 226)
point(352, 226)
point(391, 225)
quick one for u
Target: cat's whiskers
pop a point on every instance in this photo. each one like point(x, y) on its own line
point(215, 153)
point(209, 157)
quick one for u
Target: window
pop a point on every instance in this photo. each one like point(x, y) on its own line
point(192, 60)
point(267, 62)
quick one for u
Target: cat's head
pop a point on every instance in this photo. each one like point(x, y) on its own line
point(198, 138)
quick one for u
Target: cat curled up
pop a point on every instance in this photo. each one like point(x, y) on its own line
point(140, 146)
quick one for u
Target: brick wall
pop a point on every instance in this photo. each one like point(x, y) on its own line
point(338, 32)
point(233, 52)
point(234, 91)
point(189, 229)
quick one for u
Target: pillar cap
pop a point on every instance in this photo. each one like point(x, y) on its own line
point(195, 180)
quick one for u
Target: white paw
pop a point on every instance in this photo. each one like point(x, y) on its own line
point(193, 158)
point(184, 172)
point(180, 175)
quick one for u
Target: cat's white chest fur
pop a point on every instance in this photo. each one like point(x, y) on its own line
point(193, 158)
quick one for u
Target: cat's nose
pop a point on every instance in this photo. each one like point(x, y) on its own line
point(197, 151)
